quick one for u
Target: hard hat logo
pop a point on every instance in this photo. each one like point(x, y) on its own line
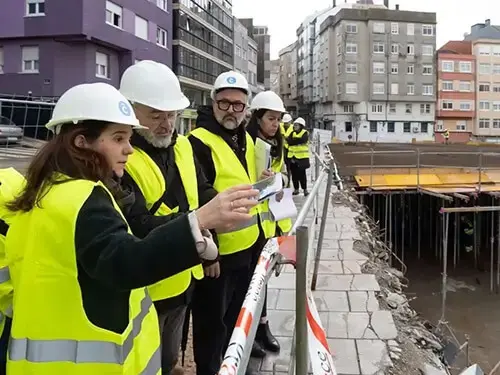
point(231, 80)
point(124, 108)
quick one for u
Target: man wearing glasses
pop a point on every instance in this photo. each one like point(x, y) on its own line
point(226, 153)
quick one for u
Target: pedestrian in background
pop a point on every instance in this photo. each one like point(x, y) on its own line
point(298, 153)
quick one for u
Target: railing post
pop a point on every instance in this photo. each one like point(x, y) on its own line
point(480, 169)
point(371, 168)
point(322, 226)
point(418, 169)
point(302, 244)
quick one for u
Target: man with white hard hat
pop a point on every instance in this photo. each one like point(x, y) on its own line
point(226, 153)
point(167, 180)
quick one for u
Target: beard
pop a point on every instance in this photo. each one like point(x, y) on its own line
point(230, 122)
point(154, 140)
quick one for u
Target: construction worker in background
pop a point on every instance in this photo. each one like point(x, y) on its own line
point(227, 155)
point(446, 136)
point(467, 233)
point(79, 277)
point(167, 181)
point(286, 129)
point(298, 153)
point(11, 184)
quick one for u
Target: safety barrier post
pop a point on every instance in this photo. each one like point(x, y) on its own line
point(302, 238)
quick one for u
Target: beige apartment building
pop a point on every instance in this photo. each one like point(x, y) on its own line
point(288, 77)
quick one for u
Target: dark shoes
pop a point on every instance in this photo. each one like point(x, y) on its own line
point(266, 339)
point(296, 192)
point(306, 193)
point(257, 350)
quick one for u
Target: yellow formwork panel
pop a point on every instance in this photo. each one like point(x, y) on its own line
point(463, 178)
point(397, 180)
point(373, 180)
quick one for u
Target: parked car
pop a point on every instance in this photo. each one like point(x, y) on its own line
point(10, 132)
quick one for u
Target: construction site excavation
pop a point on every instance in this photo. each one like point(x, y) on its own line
point(438, 211)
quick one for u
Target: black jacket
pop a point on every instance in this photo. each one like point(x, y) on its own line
point(111, 262)
point(236, 139)
point(141, 221)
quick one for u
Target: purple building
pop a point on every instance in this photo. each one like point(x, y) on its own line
point(47, 46)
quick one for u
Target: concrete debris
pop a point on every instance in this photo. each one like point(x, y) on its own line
point(417, 350)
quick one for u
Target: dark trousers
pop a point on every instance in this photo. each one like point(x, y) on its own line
point(288, 169)
point(215, 307)
point(299, 176)
point(4, 345)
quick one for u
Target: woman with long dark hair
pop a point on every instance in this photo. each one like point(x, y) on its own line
point(78, 274)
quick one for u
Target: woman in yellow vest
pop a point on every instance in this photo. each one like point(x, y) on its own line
point(80, 306)
point(298, 153)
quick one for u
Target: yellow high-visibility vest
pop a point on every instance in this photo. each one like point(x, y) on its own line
point(147, 175)
point(59, 338)
point(230, 172)
point(299, 151)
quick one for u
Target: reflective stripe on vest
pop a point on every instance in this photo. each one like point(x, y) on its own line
point(230, 172)
point(59, 338)
point(299, 151)
point(286, 133)
point(148, 176)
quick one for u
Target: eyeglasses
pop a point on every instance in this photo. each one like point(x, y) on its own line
point(225, 104)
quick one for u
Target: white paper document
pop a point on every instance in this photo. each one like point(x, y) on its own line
point(269, 186)
point(262, 156)
point(284, 209)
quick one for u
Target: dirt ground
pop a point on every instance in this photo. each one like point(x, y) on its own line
point(189, 365)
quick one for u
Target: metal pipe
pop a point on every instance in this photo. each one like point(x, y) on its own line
point(445, 266)
point(475, 240)
point(301, 301)
point(469, 209)
point(402, 231)
point(455, 236)
point(498, 252)
point(371, 169)
point(322, 227)
point(419, 228)
point(386, 217)
point(492, 253)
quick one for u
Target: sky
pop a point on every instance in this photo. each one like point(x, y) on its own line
point(454, 17)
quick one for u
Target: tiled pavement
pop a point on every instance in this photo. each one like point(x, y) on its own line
point(357, 330)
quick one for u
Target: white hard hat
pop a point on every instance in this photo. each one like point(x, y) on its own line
point(267, 100)
point(154, 85)
point(230, 80)
point(93, 101)
point(287, 118)
point(300, 121)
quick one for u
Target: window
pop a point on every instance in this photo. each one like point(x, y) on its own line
point(465, 86)
point(394, 28)
point(428, 90)
point(410, 49)
point(410, 89)
point(395, 48)
point(424, 127)
point(349, 108)
point(496, 123)
point(339, 88)
point(392, 107)
point(496, 88)
point(161, 37)
point(378, 88)
point(379, 27)
point(410, 69)
point(162, 4)
point(427, 50)
point(496, 106)
point(447, 66)
point(465, 67)
point(427, 70)
point(439, 125)
point(114, 14)
point(351, 48)
point(237, 50)
point(394, 88)
point(394, 68)
point(465, 106)
point(447, 85)
point(351, 28)
point(101, 65)
point(35, 7)
point(496, 50)
point(351, 68)
point(351, 88)
point(484, 68)
point(373, 126)
point(410, 29)
point(425, 109)
point(378, 47)
point(1, 60)
point(378, 67)
point(348, 126)
point(408, 108)
point(447, 105)
point(406, 127)
point(339, 68)
point(496, 69)
point(484, 123)
point(484, 50)
point(484, 87)
point(30, 59)
point(461, 125)
point(390, 127)
point(141, 28)
point(427, 30)
point(484, 105)
point(377, 108)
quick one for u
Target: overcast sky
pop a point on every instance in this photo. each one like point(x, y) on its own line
point(283, 17)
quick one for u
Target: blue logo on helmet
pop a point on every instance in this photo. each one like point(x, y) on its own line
point(231, 80)
point(124, 108)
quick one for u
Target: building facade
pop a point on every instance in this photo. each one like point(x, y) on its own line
point(261, 36)
point(378, 76)
point(456, 96)
point(288, 77)
point(245, 54)
point(48, 46)
point(275, 76)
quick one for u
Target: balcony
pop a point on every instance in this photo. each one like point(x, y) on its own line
point(446, 113)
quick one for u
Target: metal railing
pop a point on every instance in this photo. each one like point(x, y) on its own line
point(305, 343)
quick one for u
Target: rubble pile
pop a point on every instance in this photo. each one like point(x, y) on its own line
point(417, 349)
